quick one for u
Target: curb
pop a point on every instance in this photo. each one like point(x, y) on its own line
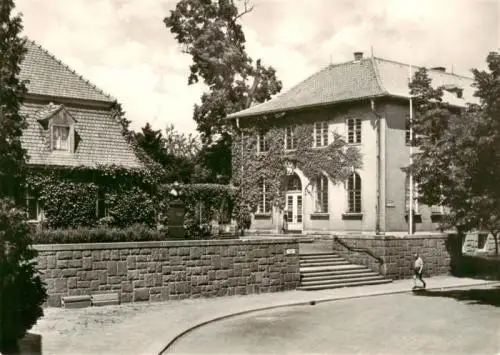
point(310, 302)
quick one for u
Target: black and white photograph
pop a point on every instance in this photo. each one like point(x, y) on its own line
point(249, 177)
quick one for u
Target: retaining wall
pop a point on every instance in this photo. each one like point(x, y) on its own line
point(398, 254)
point(167, 270)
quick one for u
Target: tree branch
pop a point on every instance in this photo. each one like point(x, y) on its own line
point(246, 11)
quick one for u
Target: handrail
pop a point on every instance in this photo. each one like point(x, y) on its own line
point(359, 250)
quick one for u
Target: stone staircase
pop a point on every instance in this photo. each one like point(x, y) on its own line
point(319, 271)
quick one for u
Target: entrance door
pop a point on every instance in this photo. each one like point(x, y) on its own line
point(294, 211)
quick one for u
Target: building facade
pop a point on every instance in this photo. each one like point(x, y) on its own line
point(365, 101)
point(70, 123)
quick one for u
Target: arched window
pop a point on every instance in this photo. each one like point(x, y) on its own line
point(354, 194)
point(322, 194)
point(293, 183)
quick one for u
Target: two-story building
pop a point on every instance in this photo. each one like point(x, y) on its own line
point(373, 95)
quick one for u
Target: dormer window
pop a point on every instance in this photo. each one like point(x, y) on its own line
point(60, 138)
point(60, 127)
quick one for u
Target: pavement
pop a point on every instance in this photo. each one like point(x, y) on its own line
point(148, 328)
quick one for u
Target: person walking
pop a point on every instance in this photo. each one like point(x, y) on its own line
point(418, 268)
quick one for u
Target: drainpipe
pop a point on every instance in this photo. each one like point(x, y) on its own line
point(380, 171)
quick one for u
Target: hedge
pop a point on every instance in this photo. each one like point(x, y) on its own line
point(97, 235)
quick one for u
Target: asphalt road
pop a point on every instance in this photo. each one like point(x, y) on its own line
point(429, 322)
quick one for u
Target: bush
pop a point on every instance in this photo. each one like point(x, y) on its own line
point(22, 292)
point(128, 207)
point(136, 233)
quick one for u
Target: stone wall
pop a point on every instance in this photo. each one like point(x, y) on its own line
point(397, 254)
point(159, 271)
point(478, 243)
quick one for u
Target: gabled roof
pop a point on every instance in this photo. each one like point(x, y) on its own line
point(98, 139)
point(357, 80)
point(47, 75)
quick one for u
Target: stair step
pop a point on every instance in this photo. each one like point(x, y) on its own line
point(338, 276)
point(340, 285)
point(312, 269)
point(318, 256)
point(323, 263)
point(339, 281)
point(328, 258)
point(336, 272)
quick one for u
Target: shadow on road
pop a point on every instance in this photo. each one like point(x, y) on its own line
point(487, 296)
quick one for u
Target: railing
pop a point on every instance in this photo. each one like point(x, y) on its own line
point(359, 250)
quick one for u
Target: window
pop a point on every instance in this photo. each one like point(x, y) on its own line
point(407, 131)
point(264, 205)
point(32, 207)
point(101, 205)
point(60, 138)
point(322, 194)
point(407, 196)
point(262, 143)
point(353, 130)
point(290, 139)
point(481, 240)
point(354, 194)
point(321, 134)
point(437, 209)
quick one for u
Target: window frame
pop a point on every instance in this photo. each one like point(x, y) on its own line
point(53, 128)
point(29, 196)
point(262, 140)
point(355, 131)
point(322, 194)
point(416, 206)
point(264, 205)
point(322, 133)
point(354, 194)
point(290, 138)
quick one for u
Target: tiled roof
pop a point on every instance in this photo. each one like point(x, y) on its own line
point(98, 140)
point(47, 75)
point(355, 80)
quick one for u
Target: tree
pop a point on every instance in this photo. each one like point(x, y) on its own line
point(12, 91)
point(210, 32)
point(21, 289)
point(458, 162)
point(177, 153)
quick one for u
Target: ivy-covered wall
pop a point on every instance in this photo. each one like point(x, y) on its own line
point(336, 161)
point(80, 197)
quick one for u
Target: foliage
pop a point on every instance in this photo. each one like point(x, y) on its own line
point(21, 290)
point(458, 163)
point(69, 204)
point(335, 161)
point(12, 91)
point(68, 196)
point(203, 203)
point(134, 233)
point(131, 206)
point(175, 152)
point(210, 32)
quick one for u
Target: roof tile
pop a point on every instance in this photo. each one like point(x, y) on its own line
point(47, 75)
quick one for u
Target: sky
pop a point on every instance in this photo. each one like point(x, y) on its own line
point(124, 48)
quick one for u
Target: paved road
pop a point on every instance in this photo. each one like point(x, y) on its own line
point(435, 322)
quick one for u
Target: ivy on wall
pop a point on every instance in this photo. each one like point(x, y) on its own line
point(250, 167)
point(69, 196)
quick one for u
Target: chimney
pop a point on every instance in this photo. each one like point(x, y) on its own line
point(443, 69)
point(358, 56)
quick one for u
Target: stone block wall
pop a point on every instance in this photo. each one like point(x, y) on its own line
point(473, 246)
point(169, 270)
point(398, 254)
